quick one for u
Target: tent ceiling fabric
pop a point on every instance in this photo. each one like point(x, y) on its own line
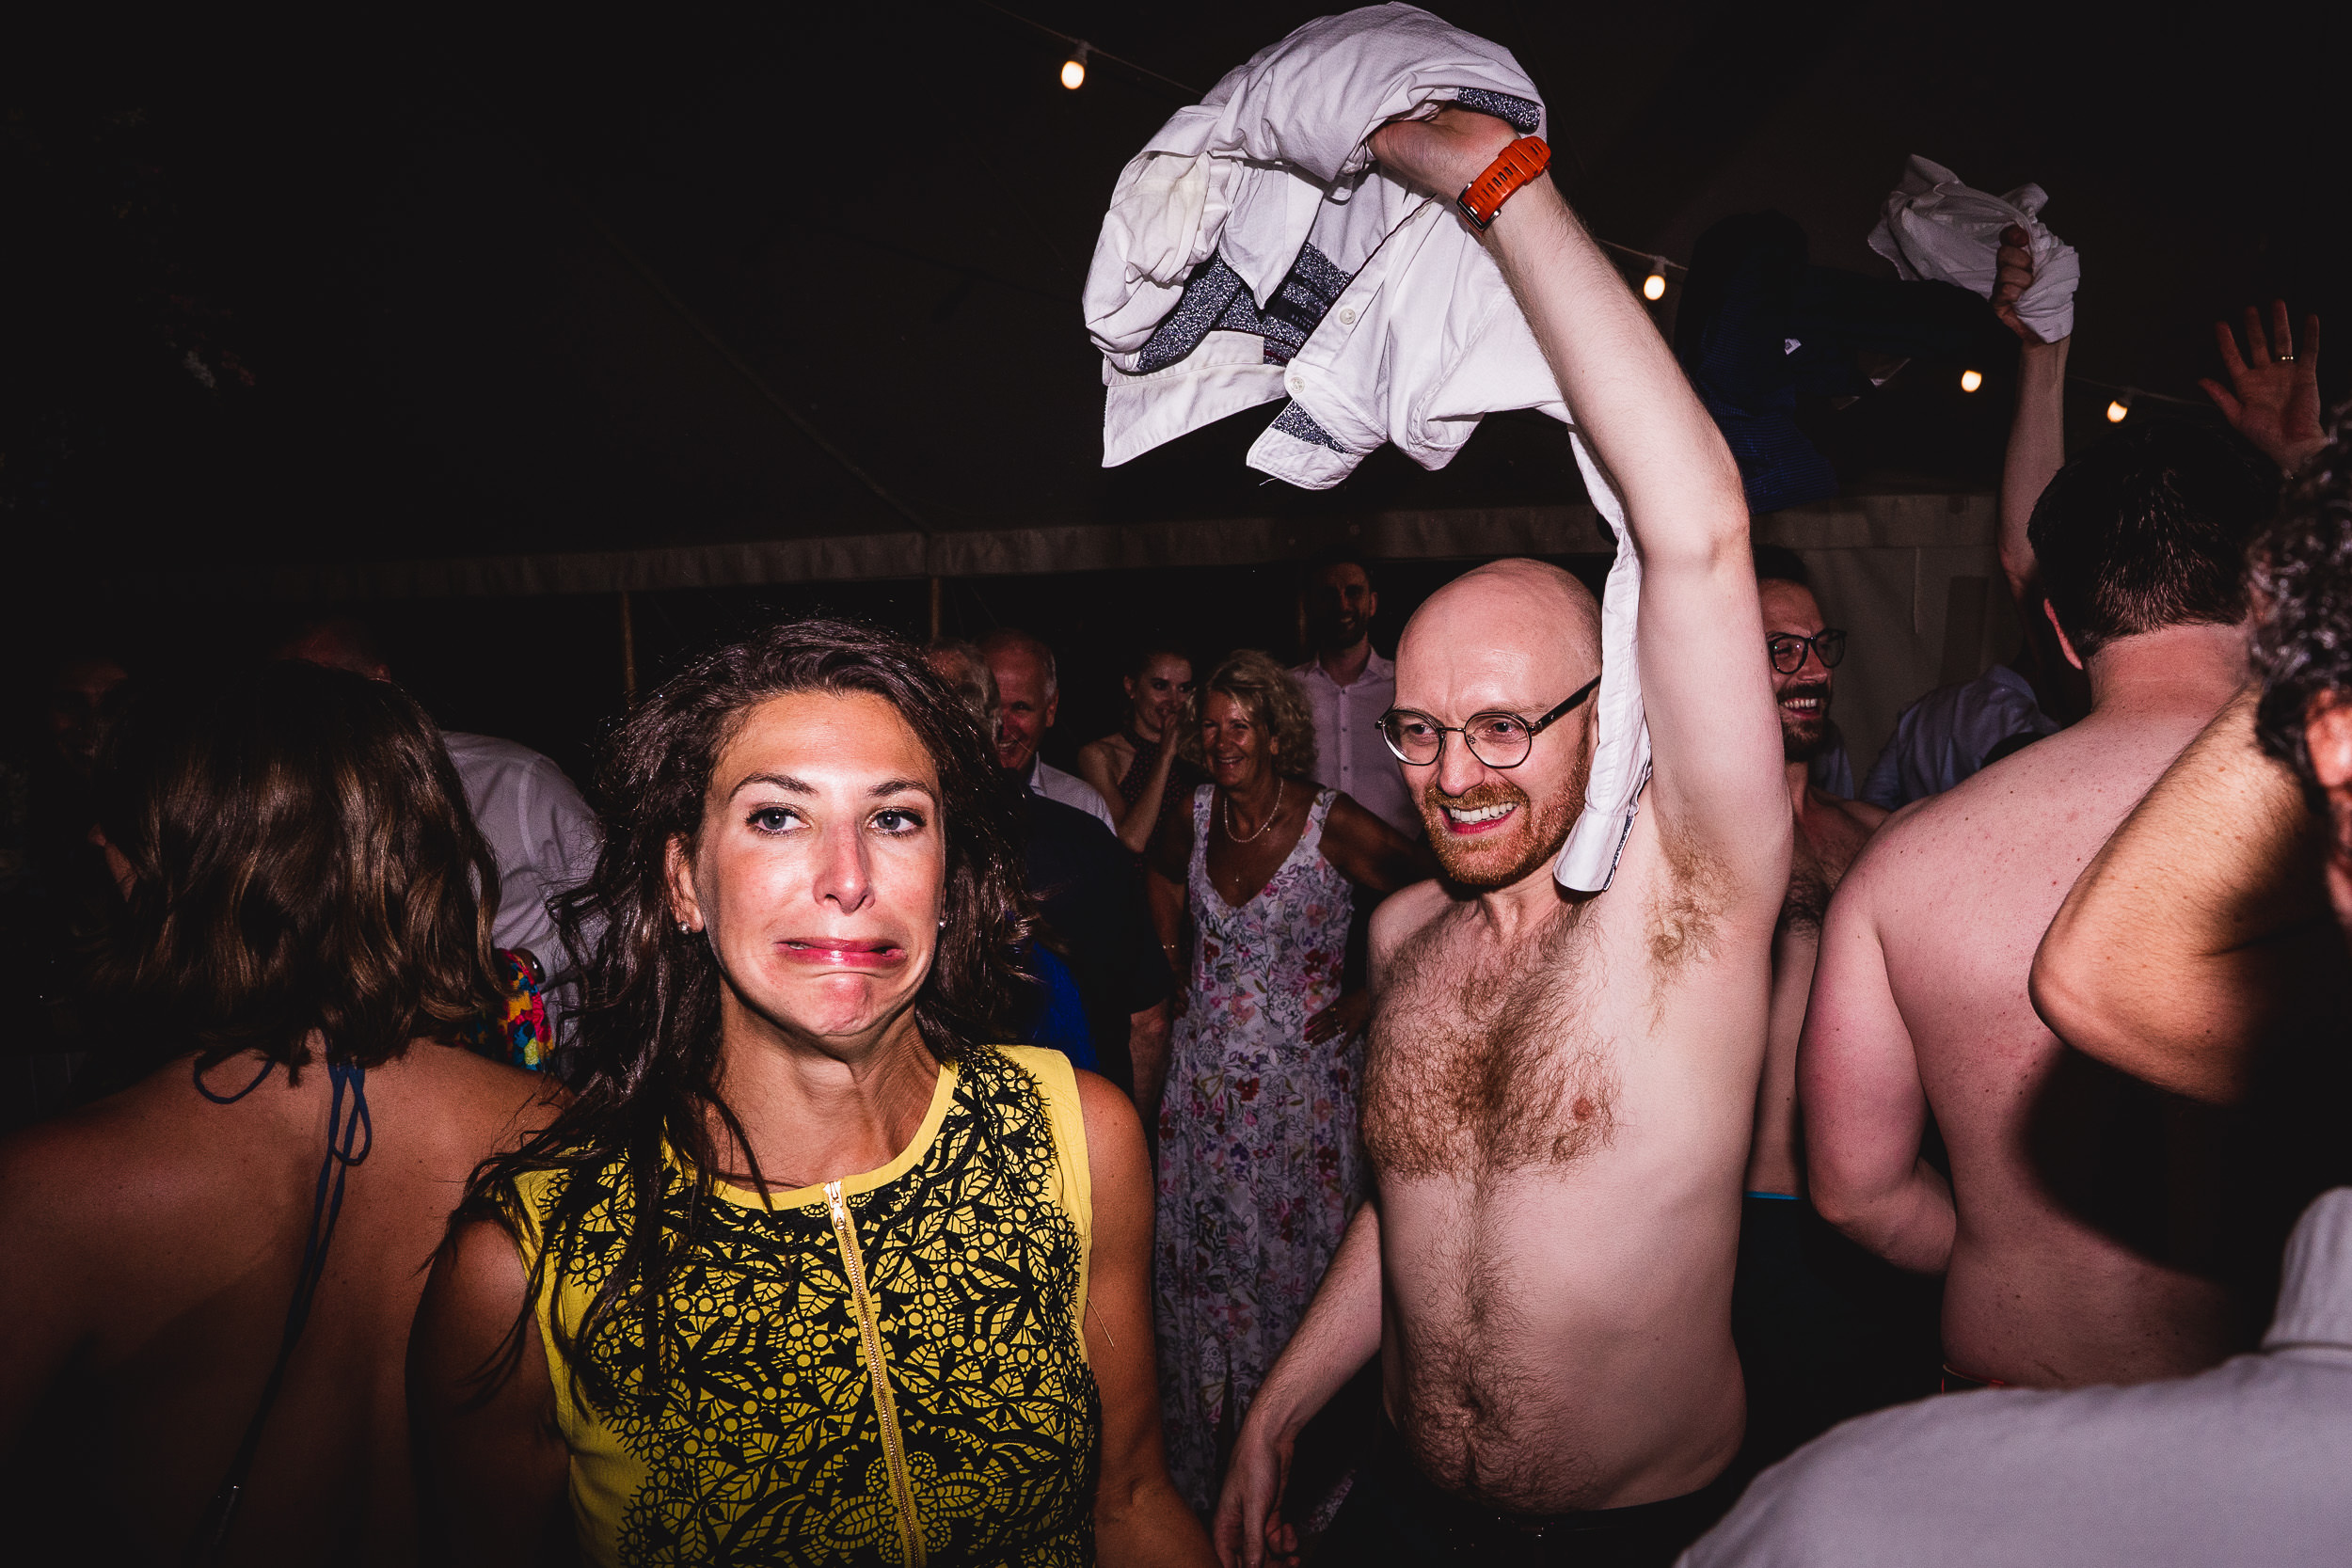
point(757, 293)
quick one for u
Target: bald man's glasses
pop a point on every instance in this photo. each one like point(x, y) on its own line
point(1787, 649)
point(1498, 739)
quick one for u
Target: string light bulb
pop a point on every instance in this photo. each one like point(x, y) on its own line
point(1654, 286)
point(1073, 70)
point(1971, 380)
point(2119, 407)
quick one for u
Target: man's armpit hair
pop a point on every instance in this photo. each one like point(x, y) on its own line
point(1687, 909)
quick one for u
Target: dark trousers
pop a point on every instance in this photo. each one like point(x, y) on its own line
point(1396, 1517)
point(1825, 1330)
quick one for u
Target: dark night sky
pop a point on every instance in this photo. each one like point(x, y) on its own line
point(415, 237)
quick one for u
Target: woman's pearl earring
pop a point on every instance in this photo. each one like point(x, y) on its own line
point(685, 928)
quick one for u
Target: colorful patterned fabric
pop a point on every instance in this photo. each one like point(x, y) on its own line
point(769, 1442)
point(518, 1033)
point(1259, 1161)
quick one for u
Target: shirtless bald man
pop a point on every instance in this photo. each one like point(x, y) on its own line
point(2053, 1228)
point(1559, 1086)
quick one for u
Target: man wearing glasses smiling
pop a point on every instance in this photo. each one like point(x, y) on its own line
point(1560, 1086)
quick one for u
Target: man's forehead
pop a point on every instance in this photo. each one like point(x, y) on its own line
point(1504, 635)
point(1016, 664)
point(1788, 606)
point(1444, 675)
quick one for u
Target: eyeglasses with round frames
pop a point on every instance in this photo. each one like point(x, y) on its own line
point(1787, 649)
point(1498, 739)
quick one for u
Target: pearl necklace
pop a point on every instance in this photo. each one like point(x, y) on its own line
point(1263, 826)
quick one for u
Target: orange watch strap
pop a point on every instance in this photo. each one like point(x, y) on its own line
point(1518, 163)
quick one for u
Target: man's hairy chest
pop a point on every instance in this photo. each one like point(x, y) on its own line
point(1485, 1057)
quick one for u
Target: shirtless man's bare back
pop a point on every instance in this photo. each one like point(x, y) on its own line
point(1560, 1086)
point(2055, 1268)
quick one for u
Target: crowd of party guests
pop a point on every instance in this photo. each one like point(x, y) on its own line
point(860, 1140)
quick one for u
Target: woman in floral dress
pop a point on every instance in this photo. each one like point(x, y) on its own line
point(1260, 1164)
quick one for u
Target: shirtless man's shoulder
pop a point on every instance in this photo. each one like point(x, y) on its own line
point(1997, 829)
point(1403, 916)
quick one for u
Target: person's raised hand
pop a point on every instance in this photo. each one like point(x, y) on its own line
point(2273, 395)
point(1249, 1529)
point(2012, 275)
point(1443, 154)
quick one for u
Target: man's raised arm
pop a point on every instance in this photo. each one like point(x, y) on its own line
point(2037, 430)
point(2200, 926)
point(1718, 787)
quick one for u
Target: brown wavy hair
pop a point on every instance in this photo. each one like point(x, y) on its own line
point(1274, 704)
point(2302, 589)
point(645, 1058)
point(301, 859)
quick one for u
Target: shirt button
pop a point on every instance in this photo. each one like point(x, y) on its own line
point(1348, 315)
point(1295, 382)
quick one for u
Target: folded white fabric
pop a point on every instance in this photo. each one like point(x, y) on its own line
point(1253, 249)
point(1613, 793)
point(1936, 227)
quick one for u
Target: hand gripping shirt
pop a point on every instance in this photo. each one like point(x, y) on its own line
point(1254, 251)
point(887, 1369)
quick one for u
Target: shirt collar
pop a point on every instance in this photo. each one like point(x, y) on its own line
point(2316, 1285)
point(1375, 668)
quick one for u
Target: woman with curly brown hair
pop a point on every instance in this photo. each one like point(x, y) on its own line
point(811, 1271)
point(1260, 1166)
point(211, 1275)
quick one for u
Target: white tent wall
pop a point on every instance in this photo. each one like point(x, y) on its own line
point(1914, 578)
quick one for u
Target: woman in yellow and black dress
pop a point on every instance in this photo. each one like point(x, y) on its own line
point(810, 1272)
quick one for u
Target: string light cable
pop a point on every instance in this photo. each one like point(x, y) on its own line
point(1082, 52)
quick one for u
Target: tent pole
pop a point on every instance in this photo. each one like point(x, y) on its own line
point(628, 653)
point(935, 608)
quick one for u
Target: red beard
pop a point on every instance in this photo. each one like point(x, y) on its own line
point(1532, 839)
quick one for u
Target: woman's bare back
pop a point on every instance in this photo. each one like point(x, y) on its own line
point(153, 1243)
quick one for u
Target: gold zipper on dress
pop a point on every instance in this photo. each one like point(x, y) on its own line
point(870, 1331)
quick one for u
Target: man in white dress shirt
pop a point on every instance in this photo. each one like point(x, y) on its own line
point(542, 835)
point(1029, 693)
point(1349, 686)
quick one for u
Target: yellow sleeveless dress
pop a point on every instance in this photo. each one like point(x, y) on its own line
point(888, 1370)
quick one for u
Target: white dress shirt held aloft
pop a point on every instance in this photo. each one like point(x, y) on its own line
point(1350, 756)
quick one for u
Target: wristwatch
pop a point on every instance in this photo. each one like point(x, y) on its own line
point(1518, 163)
